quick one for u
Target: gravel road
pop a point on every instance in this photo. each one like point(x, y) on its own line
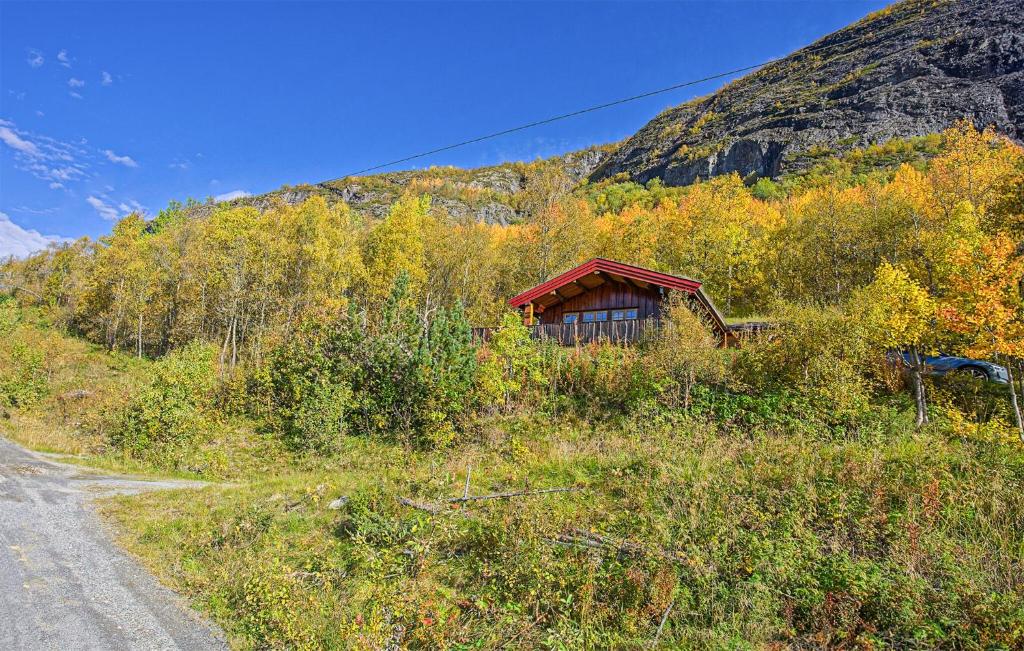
point(64, 584)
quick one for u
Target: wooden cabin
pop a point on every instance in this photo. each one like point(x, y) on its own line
point(607, 300)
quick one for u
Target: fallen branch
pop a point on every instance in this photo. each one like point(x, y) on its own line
point(588, 539)
point(429, 507)
point(502, 496)
point(536, 620)
point(664, 618)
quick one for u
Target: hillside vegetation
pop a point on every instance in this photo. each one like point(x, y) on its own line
point(800, 491)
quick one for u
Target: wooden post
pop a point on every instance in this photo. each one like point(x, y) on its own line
point(529, 314)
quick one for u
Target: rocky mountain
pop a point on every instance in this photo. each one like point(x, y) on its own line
point(495, 195)
point(911, 69)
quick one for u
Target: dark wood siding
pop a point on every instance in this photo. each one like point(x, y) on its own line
point(609, 296)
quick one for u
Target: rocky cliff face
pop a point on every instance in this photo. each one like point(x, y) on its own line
point(911, 69)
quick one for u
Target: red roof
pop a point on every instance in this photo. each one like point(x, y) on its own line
point(608, 266)
point(613, 269)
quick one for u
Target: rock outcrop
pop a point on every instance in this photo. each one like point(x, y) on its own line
point(487, 194)
point(908, 70)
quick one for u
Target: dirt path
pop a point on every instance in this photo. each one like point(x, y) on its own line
point(64, 584)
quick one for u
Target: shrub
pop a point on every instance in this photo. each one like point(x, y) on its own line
point(510, 366)
point(819, 352)
point(412, 374)
point(396, 375)
point(599, 377)
point(22, 375)
point(10, 315)
point(318, 422)
point(172, 409)
point(308, 385)
point(684, 353)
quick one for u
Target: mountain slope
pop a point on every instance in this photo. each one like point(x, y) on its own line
point(495, 194)
point(911, 69)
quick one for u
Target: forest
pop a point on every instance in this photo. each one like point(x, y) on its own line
point(800, 489)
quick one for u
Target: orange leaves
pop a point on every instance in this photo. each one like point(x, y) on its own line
point(984, 301)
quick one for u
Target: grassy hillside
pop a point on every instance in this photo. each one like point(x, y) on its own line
point(63, 395)
point(771, 534)
point(751, 517)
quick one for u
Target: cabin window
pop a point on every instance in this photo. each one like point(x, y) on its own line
point(570, 317)
point(632, 313)
point(624, 314)
point(591, 317)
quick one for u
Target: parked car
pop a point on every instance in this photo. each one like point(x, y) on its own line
point(943, 364)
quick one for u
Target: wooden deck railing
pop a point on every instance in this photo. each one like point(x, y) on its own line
point(575, 334)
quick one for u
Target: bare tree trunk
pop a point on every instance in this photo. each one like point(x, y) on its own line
point(116, 326)
point(138, 338)
point(224, 348)
point(920, 401)
point(1020, 378)
point(1013, 400)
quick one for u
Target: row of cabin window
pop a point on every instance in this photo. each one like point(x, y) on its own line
point(593, 316)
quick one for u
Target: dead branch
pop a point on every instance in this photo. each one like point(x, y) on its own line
point(501, 496)
point(588, 539)
point(664, 618)
point(429, 507)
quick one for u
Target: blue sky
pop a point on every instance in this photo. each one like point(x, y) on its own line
point(112, 107)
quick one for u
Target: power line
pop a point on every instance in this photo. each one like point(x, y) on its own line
point(811, 49)
point(563, 116)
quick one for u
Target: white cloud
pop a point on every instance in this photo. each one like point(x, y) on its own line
point(131, 205)
point(64, 59)
point(40, 114)
point(127, 161)
point(36, 211)
point(45, 158)
point(234, 194)
point(56, 186)
point(105, 206)
point(75, 83)
point(65, 173)
point(20, 242)
point(105, 210)
point(35, 58)
point(14, 141)
point(75, 95)
point(105, 78)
